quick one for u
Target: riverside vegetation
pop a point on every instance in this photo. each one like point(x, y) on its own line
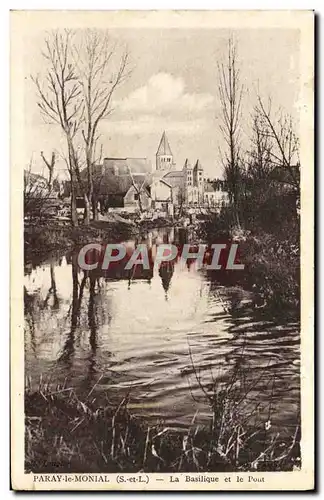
point(65, 433)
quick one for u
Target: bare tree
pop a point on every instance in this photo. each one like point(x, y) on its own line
point(260, 163)
point(283, 143)
point(230, 93)
point(139, 189)
point(36, 194)
point(81, 78)
point(101, 71)
point(60, 100)
point(256, 178)
point(77, 182)
point(50, 165)
point(180, 200)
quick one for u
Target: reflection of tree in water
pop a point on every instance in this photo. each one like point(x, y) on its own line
point(29, 310)
point(77, 295)
point(166, 271)
point(34, 299)
point(96, 316)
point(33, 303)
point(181, 236)
point(93, 327)
point(52, 292)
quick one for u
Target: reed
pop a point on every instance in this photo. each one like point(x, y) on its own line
point(64, 433)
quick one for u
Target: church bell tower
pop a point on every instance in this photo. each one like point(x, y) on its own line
point(164, 156)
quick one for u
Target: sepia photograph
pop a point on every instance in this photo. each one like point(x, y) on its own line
point(162, 172)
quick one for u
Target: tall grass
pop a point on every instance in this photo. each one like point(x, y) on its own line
point(64, 433)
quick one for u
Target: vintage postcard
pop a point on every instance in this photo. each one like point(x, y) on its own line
point(162, 228)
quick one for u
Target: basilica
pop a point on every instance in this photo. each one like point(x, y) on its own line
point(129, 182)
point(188, 183)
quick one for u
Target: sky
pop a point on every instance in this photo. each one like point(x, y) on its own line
point(173, 86)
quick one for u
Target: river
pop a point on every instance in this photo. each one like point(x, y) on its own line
point(159, 336)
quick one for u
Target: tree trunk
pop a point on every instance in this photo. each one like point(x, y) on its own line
point(95, 214)
point(237, 210)
point(91, 195)
point(74, 214)
point(237, 217)
point(140, 206)
point(86, 215)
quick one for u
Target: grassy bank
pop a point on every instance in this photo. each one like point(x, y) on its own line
point(273, 268)
point(272, 262)
point(64, 433)
point(45, 237)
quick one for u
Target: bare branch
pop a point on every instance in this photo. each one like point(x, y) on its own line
point(230, 94)
point(284, 143)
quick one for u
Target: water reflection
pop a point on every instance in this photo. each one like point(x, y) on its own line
point(151, 331)
point(166, 271)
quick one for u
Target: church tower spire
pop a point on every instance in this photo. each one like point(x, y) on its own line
point(164, 156)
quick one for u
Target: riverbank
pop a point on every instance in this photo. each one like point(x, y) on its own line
point(40, 239)
point(66, 434)
point(273, 267)
point(271, 264)
point(43, 238)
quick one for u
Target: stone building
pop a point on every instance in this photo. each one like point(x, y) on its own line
point(188, 183)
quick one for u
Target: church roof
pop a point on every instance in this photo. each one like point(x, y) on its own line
point(105, 182)
point(175, 178)
point(198, 165)
point(164, 146)
point(187, 164)
point(155, 176)
point(174, 173)
point(139, 165)
point(127, 165)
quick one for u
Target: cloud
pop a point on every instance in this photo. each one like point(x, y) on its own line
point(148, 124)
point(165, 92)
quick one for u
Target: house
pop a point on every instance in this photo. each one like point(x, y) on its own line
point(125, 166)
point(149, 188)
point(175, 179)
point(215, 194)
point(120, 183)
point(127, 191)
point(160, 190)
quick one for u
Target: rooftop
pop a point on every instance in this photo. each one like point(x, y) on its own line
point(126, 165)
point(164, 146)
